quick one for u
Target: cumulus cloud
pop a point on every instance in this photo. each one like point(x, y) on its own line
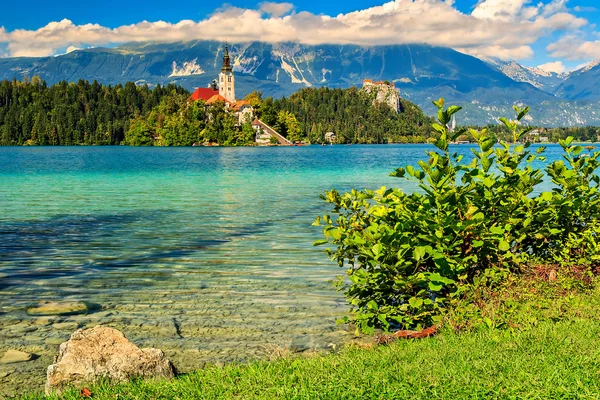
point(276, 9)
point(505, 10)
point(572, 47)
point(554, 66)
point(500, 28)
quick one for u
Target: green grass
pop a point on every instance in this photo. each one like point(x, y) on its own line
point(554, 353)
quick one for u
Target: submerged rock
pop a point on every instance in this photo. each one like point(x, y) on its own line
point(65, 326)
point(15, 356)
point(59, 308)
point(103, 352)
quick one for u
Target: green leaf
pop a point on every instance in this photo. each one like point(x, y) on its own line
point(320, 242)
point(496, 230)
point(569, 140)
point(503, 245)
point(477, 243)
point(439, 128)
point(399, 173)
point(415, 303)
point(521, 112)
point(487, 143)
point(377, 249)
point(453, 110)
point(546, 196)
point(419, 252)
point(509, 124)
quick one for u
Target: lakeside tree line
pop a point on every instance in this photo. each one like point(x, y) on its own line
point(84, 113)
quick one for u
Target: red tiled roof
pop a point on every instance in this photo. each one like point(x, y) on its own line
point(240, 104)
point(217, 97)
point(204, 94)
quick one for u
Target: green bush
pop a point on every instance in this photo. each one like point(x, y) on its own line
point(408, 255)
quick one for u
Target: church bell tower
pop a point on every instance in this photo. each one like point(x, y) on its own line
point(226, 78)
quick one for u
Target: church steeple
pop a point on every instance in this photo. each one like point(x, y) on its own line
point(226, 60)
point(226, 78)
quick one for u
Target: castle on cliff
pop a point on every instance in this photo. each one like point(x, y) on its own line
point(385, 92)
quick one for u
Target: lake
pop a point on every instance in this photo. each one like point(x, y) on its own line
point(205, 253)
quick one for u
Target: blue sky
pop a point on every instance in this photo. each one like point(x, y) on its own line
point(562, 33)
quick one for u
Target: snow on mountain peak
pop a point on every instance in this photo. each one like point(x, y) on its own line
point(590, 66)
point(188, 68)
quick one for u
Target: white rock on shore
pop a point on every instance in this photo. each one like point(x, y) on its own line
point(103, 352)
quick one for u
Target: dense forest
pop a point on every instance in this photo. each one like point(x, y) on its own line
point(83, 113)
point(354, 117)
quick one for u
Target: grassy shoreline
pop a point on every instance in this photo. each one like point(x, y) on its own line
point(547, 349)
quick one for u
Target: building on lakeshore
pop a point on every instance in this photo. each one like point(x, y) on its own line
point(330, 137)
point(223, 90)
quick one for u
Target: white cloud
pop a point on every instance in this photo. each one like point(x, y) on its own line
point(500, 28)
point(572, 47)
point(503, 53)
point(555, 66)
point(276, 9)
point(505, 10)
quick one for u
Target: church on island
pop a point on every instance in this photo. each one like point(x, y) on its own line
point(223, 90)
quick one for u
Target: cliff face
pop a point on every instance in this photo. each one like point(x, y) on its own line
point(384, 93)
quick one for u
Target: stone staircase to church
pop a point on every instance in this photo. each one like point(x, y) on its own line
point(266, 128)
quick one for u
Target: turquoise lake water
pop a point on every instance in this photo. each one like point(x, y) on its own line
point(205, 253)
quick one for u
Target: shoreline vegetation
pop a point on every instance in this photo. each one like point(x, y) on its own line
point(412, 258)
point(83, 113)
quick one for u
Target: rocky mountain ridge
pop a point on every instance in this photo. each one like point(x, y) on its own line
point(544, 80)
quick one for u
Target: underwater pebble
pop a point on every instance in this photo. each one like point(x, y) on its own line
point(59, 308)
point(22, 328)
point(15, 356)
point(33, 338)
point(66, 326)
point(44, 321)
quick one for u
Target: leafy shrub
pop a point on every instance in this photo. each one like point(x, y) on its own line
point(408, 255)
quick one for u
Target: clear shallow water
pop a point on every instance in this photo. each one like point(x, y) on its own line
point(205, 253)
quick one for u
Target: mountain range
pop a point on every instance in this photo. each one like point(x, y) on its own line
point(486, 88)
